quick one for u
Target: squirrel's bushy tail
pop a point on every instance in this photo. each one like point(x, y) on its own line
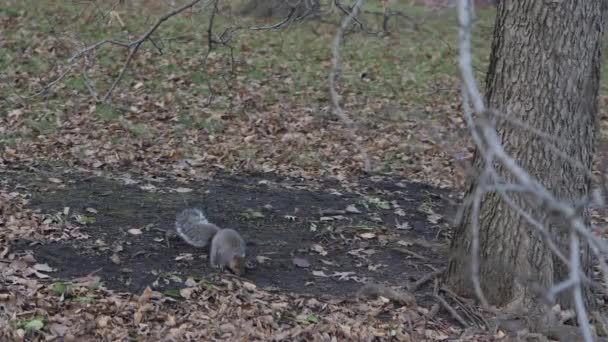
point(191, 216)
point(194, 228)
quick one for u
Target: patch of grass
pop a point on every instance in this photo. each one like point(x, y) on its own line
point(117, 140)
point(75, 82)
point(35, 65)
point(291, 64)
point(6, 59)
point(44, 125)
point(9, 140)
point(140, 130)
point(107, 112)
point(34, 324)
point(61, 289)
point(186, 120)
point(211, 125)
point(198, 78)
point(10, 11)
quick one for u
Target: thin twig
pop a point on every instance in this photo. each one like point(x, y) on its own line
point(451, 310)
point(423, 280)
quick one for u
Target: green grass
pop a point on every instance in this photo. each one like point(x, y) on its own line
point(75, 82)
point(107, 112)
point(44, 125)
point(292, 63)
point(139, 130)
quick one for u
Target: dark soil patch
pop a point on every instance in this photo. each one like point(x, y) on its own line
point(291, 225)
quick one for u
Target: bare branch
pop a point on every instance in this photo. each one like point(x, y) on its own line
point(579, 303)
point(132, 46)
point(335, 62)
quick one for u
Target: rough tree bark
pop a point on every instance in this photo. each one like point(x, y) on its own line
point(545, 71)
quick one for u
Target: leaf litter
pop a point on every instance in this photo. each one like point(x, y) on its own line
point(165, 302)
point(145, 143)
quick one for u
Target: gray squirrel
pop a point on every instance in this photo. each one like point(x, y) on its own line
point(227, 246)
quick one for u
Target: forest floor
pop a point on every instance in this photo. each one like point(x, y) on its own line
point(247, 133)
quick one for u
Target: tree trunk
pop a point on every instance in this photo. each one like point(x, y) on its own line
point(545, 71)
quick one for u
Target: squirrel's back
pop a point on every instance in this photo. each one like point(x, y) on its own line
point(194, 228)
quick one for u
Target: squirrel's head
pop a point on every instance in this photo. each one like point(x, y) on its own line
point(237, 264)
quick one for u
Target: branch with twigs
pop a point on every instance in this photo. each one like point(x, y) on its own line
point(133, 47)
point(335, 62)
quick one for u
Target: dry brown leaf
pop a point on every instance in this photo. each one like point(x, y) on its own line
point(319, 274)
point(319, 249)
point(43, 267)
point(115, 259)
point(186, 292)
point(145, 296)
point(352, 209)
point(300, 262)
point(367, 236)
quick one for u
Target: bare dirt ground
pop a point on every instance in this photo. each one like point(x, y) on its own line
point(91, 250)
point(281, 219)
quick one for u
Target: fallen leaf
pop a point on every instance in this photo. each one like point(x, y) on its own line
point(262, 259)
point(191, 282)
point(319, 274)
point(41, 275)
point(319, 249)
point(367, 236)
point(43, 267)
point(434, 218)
point(403, 226)
point(186, 292)
point(115, 259)
point(249, 286)
point(58, 329)
point(184, 256)
point(148, 187)
point(301, 262)
point(352, 209)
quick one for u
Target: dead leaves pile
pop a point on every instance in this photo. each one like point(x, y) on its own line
point(17, 223)
point(228, 310)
